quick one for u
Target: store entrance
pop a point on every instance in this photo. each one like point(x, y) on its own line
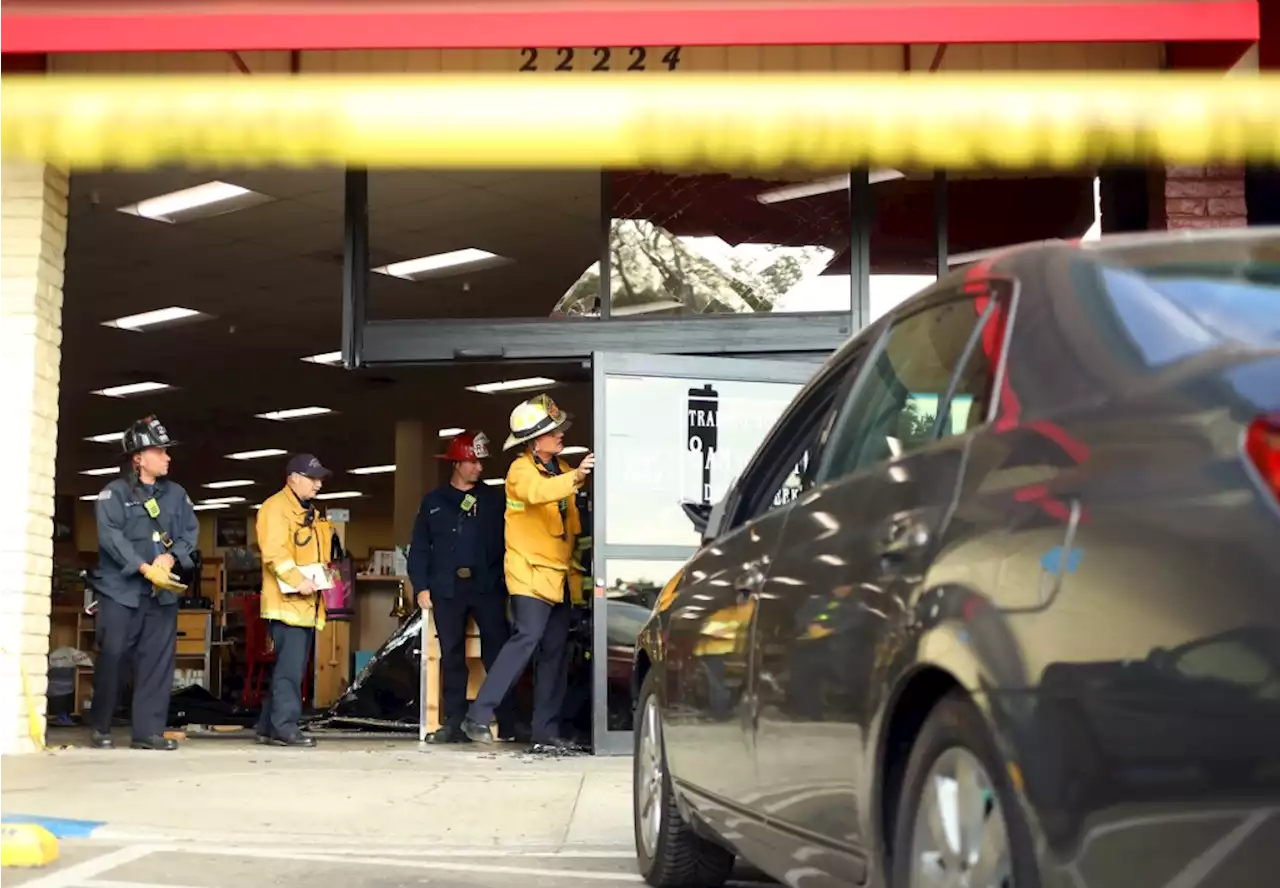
point(671, 433)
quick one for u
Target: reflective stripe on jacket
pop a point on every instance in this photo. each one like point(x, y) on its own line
point(542, 526)
point(286, 542)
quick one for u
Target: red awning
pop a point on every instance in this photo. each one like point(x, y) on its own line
point(213, 25)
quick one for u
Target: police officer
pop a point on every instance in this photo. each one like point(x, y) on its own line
point(455, 564)
point(147, 532)
point(542, 527)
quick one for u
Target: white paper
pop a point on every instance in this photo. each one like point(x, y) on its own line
point(318, 574)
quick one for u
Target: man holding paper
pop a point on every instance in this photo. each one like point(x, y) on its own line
point(295, 543)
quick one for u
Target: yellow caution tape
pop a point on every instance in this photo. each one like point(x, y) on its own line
point(27, 844)
point(741, 121)
point(35, 724)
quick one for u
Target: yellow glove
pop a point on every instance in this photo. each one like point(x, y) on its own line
point(162, 579)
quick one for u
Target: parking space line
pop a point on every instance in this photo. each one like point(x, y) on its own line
point(400, 862)
point(116, 883)
point(87, 870)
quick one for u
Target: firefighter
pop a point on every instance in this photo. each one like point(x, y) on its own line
point(295, 543)
point(542, 524)
point(455, 564)
point(147, 531)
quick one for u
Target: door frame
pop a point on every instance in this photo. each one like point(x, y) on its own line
point(799, 370)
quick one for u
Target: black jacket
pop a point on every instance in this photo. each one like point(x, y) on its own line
point(433, 560)
point(126, 536)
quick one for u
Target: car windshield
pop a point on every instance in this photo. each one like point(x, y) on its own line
point(1175, 309)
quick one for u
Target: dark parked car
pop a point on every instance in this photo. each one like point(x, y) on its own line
point(1021, 626)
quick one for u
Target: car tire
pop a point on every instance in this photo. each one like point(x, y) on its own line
point(669, 853)
point(955, 749)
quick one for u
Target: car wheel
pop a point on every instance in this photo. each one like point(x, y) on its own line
point(670, 853)
point(959, 824)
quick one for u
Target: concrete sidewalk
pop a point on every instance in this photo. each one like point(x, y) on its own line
point(365, 792)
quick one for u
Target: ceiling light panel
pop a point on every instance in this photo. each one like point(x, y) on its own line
point(221, 500)
point(338, 494)
point(372, 470)
point(107, 470)
point(106, 438)
point(450, 432)
point(443, 264)
point(205, 507)
point(174, 315)
point(201, 202)
point(228, 485)
point(257, 454)
point(513, 385)
point(572, 451)
point(494, 482)
point(88, 497)
point(293, 413)
point(132, 390)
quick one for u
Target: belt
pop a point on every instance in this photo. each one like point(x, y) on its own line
point(464, 573)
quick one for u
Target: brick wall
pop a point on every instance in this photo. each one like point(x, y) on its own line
point(1204, 197)
point(33, 201)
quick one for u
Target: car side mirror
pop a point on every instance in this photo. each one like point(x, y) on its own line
point(699, 515)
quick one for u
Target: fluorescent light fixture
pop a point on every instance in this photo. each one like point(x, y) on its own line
point(450, 433)
point(221, 500)
point(106, 438)
point(822, 186)
point(227, 485)
point(338, 494)
point(132, 389)
point(495, 482)
point(325, 358)
point(442, 264)
point(108, 470)
point(200, 202)
point(204, 507)
point(168, 317)
point(89, 497)
point(257, 454)
point(571, 451)
point(293, 413)
point(513, 385)
point(372, 470)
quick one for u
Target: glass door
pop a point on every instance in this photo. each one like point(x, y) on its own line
point(671, 433)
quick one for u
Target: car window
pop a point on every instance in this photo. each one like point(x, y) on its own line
point(930, 362)
point(783, 468)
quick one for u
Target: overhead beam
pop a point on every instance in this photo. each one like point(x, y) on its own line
point(436, 342)
point(208, 26)
point(355, 265)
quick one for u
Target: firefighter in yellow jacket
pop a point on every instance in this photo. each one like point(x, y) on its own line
point(296, 544)
point(542, 526)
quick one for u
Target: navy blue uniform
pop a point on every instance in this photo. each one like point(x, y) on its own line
point(456, 554)
point(135, 627)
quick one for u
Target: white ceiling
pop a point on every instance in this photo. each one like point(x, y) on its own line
point(271, 276)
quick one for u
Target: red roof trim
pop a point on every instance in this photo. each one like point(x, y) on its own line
point(585, 24)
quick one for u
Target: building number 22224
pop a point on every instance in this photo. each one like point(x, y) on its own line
point(602, 58)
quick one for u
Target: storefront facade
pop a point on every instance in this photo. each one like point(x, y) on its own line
point(861, 227)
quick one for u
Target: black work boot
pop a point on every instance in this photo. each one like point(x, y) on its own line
point(299, 740)
point(451, 733)
point(477, 732)
point(102, 740)
point(155, 743)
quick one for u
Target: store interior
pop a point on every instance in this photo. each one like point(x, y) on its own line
point(213, 300)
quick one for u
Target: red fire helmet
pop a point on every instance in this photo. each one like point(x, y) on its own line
point(467, 446)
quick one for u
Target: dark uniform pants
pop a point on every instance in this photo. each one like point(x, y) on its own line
point(282, 705)
point(545, 628)
point(451, 614)
point(145, 639)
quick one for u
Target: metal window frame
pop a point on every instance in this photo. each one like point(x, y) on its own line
point(603, 366)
